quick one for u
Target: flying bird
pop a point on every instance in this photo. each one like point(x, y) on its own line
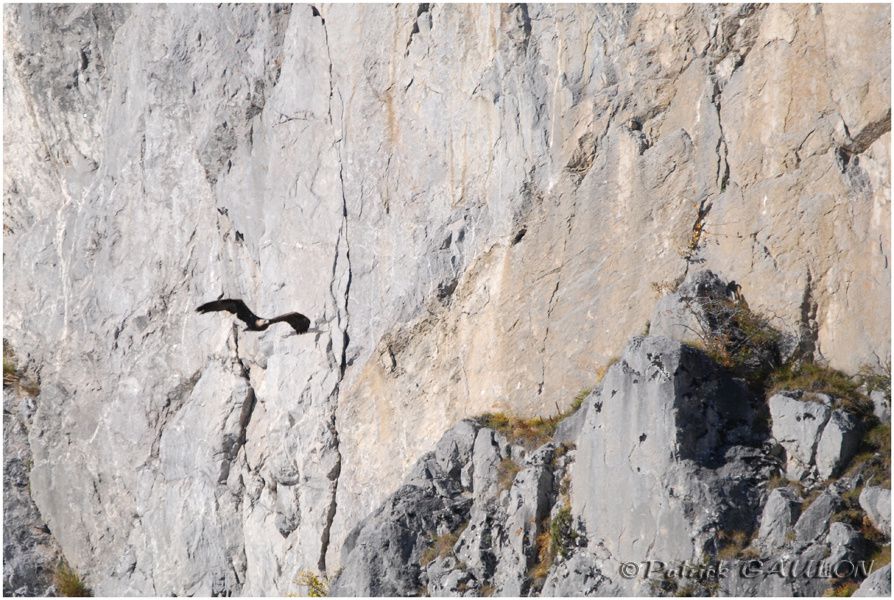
point(299, 322)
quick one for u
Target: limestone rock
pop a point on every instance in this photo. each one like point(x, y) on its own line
point(681, 313)
point(815, 519)
point(382, 554)
point(668, 419)
point(881, 405)
point(876, 501)
point(30, 554)
point(779, 516)
point(467, 235)
point(797, 425)
point(845, 544)
point(839, 442)
point(878, 584)
point(528, 503)
point(580, 575)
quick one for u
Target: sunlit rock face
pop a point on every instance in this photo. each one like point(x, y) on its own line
point(476, 205)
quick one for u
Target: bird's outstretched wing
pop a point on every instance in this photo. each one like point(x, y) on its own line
point(236, 307)
point(298, 321)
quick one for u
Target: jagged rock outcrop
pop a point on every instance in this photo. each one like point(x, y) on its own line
point(876, 501)
point(677, 440)
point(780, 513)
point(574, 516)
point(30, 554)
point(476, 204)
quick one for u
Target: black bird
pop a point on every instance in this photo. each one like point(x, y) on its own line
point(299, 322)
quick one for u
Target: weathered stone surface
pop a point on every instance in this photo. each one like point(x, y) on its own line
point(877, 584)
point(30, 554)
point(768, 582)
point(876, 501)
point(580, 575)
point(838, 443)
point(797, 426)
point(382, 554)
point(845, 544)
point(469, 235)
point(780, 514)
point(528, 503)
point(706, 490)
point(814, 521)
point(446, 578)
point(665, 421)
point(881, 405)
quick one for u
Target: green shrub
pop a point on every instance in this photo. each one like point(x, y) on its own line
point(68, 583)
point(317, 585)
point(562, 534)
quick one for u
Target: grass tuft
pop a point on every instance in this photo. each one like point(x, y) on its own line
point(441, 546)
point(881, 557)
point(875, 378)
point(601, 371)
point(735, 337)
point(579, 399)
point(842, 590)
point(506, 472)
point(817, 378)
point(873, 457)
point(68, 583)
point(733, 545)
point(530, 433)
point(13, 377)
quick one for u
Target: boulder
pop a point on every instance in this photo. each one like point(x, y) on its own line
point(780, 514)
point(838, 443)
point(876, 501)
point(815, 519)
point(845, 544)
point(447, 578)
point(878, 584)
point(681, 314)
point(580, 575)
point(659, 447)
point(881, 405)
point(797, 425)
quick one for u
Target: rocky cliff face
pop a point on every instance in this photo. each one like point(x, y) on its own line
point(671, 463)
point(477, 205)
